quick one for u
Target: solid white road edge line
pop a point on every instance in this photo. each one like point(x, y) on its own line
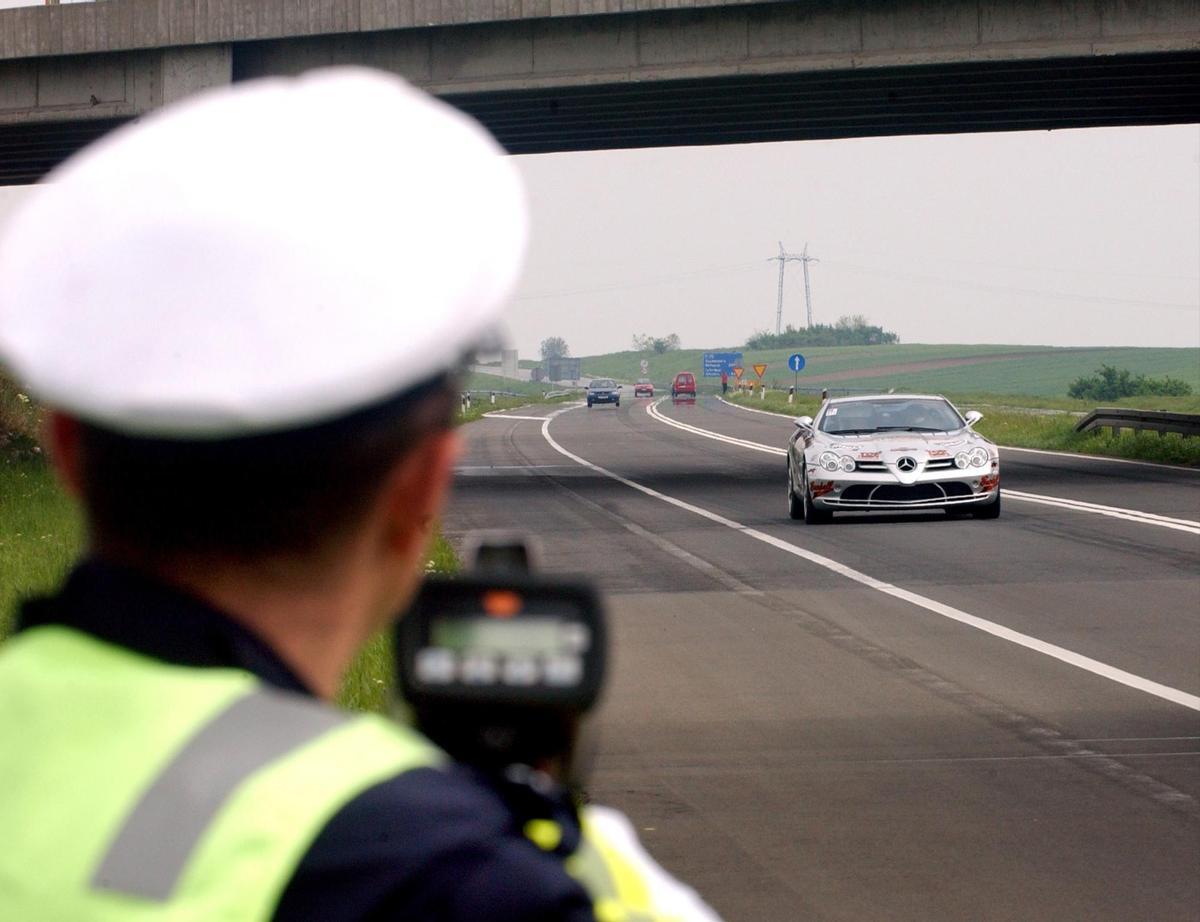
point(1031, 451)
point(499, 415)
point(1069, 657)
point(1075, 505)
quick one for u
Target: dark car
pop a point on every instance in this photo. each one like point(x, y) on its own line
point(684, 386)
point(604, 390)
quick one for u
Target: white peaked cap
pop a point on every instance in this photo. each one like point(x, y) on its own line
point(261, 258)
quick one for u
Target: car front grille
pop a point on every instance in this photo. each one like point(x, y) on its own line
point(896, 495)
point(934, 464)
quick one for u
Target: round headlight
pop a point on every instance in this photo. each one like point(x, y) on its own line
point(979, 456)
point(829, 461)
point(846, 464)
point(962, 460)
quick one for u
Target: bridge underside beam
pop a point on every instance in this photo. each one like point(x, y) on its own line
point(934, 99)
point(1152, 89)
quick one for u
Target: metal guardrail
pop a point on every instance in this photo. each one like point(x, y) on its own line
point(467, 398)
point(1117, 418)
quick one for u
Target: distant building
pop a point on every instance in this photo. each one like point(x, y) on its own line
point(562, 369)
point(509, 363)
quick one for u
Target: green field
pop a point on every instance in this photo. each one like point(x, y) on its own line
point(478, 381)
point(1037, 371)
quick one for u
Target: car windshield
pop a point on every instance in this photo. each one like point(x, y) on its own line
point(902, 414)
point(602, 382)
point(643, 380)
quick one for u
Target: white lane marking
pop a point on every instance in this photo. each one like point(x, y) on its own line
point(463, 468)
point(652, 409)
point(497, 414)
point(1130, 515)
point(1074, 456)
point(1061, 654)
point(1074, 505)
point(774, 413)
point(1032, 451)
point(1137, 739)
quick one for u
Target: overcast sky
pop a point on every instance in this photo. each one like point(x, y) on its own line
point(1083, 237)
point(1087, 237)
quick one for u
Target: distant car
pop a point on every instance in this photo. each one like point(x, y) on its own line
point(684, 386)
point(643, 388)
point(895, 452)
point(603, 390)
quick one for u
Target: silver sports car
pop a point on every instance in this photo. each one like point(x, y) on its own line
point(906, 452)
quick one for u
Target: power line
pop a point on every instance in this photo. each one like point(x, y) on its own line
point(640, 283)
point(990, 264)
point(1012, 289)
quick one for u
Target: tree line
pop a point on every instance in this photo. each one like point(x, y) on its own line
point(851, 330)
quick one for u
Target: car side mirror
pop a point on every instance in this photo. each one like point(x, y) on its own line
point(804, 422)
point(619, 386)
point(973, 416)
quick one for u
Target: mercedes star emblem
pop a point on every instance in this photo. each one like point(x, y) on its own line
point(906, 465)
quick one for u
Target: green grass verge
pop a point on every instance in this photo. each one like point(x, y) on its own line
point(480, 381)
point(371, 677)
point(1051, 431)
point(41, 536)
point(1041, 371)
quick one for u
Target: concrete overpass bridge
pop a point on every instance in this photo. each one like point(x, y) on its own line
point(555, 75)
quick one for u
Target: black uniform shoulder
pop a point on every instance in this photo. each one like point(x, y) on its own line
point(438, 844)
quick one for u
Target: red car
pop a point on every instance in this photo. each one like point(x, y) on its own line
point(684, 386)
point(643, 388)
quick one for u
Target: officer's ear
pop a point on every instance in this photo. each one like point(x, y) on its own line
point(61, 439)
point(416, 489)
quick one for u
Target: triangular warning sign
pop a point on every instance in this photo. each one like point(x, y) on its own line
point(759, 369)
point(738, 371)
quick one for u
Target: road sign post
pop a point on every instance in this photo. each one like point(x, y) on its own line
point(760, 369)
point(796, 364)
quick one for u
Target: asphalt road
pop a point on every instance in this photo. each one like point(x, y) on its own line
point(920, 717)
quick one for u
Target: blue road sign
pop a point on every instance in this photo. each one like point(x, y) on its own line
point(717, 362)
point(795, 361)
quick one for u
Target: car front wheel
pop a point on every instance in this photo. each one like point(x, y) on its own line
point(795, 506)
point(812, 515)
point(990, 511)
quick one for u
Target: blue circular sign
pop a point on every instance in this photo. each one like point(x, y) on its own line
point(795, 361)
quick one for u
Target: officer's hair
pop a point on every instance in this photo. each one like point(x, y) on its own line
point(289, 492)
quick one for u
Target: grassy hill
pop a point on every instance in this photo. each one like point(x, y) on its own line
point(994, 369)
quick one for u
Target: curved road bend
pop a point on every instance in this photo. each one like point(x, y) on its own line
point(799, 745)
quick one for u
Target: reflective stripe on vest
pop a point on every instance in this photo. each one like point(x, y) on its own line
point(618, 893)
point(625, 882)
point(152, 848)
point(135, 790)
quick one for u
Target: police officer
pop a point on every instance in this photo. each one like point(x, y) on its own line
point(245, 313)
